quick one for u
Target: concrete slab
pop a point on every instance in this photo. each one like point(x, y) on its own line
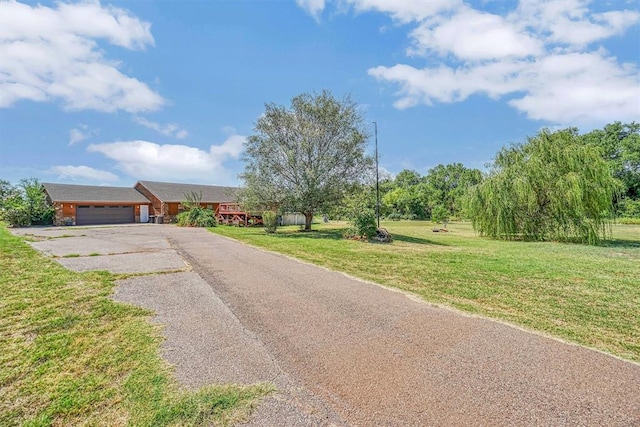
point(204, 340)
point(48, 232)
point(146, 262)
point(84, 245)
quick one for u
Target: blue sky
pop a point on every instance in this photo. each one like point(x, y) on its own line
point(113, 92)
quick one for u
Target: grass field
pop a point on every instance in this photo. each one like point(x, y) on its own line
point(69, 355)
point(584, 294)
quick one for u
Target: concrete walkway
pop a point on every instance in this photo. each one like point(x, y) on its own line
point(345, 352)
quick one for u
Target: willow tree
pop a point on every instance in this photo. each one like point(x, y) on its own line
point(303, 158)
point(551, 187)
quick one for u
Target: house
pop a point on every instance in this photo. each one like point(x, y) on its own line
point(167, 197)
point(88, 204)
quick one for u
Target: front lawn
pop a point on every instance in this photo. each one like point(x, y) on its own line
point(585, 294)
point(72, 356)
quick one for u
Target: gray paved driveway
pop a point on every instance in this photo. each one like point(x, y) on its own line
point(345, 352)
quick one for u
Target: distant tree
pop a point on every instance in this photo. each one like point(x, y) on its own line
point(7, 192)
point(24, 204)
point(407, 178)
point(303, 158)
point(551, 187)
point(448, 186)
point(620, 145)
point(40, 210)
point(440, 213)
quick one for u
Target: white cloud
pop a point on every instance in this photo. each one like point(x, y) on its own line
point(80, 133)
point(570, 22)
point(170, 129)
point(473, 35)
point(52, 54)
point(581, 88)
point(76, 135)
point(541, 57)
point(148, 160)
point(82, 173)
point(567, 88)
point(312, 7)
point(406, 11)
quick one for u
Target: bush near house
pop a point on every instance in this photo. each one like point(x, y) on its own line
point(195, 215)
point(270, 221)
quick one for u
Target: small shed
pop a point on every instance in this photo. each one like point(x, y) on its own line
point(292, 219)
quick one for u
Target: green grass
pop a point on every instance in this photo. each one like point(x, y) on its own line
point(72, 356)
point(585, 294)
point(633, 221)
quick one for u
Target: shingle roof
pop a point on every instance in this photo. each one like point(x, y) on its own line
point(93, 193)
point(174, 192)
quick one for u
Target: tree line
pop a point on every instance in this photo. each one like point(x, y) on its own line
point(311, 158)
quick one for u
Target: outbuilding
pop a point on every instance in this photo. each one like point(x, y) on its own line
point(91, 205)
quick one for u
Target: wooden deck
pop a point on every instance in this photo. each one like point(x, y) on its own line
point(232, 214)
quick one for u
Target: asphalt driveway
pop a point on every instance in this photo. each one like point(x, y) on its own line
point(342, 351)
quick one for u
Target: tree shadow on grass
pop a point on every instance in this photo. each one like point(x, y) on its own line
point(338, 234)
point(416, 240)
point(621, 243)
point(331, 234)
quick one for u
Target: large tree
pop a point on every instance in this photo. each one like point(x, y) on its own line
point(551, 187)
point(303, 158)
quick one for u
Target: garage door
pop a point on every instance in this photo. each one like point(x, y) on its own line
point(88, 215)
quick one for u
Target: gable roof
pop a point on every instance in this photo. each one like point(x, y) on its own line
point(174, 192)
point(92, 193)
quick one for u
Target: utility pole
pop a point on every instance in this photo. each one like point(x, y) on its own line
point(377, 178)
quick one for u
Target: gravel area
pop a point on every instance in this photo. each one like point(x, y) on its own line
point(346, 352)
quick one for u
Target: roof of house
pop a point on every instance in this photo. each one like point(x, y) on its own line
point(174, 192)
point(93, 193)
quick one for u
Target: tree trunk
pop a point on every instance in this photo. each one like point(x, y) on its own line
point(308, 218)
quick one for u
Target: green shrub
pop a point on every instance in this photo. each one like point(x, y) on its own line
point(411, 217)
point(15, 213)
point(270, 221)
point(629, 221)
point(24, 204)
point(197, 217)
point(363, 225)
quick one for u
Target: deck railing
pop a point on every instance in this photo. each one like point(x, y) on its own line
point(229, 208)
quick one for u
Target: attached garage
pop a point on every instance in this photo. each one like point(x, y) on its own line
point(104, 214)
point(96, 205)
